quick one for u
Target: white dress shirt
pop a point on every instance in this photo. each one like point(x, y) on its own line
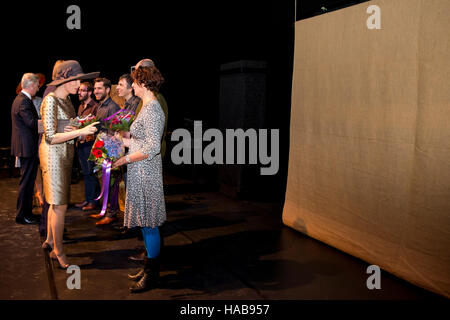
point(27, 94)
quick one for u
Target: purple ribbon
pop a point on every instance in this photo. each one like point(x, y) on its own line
point(120, 111)
point(106, 175)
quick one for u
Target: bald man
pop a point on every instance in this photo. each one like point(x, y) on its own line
point(143, 63)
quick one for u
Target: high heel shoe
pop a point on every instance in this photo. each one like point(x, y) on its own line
point(62, 261)
point(46, 247)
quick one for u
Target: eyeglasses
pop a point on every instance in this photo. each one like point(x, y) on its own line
point(133, 68)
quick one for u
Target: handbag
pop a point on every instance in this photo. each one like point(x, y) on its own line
point(62, 123)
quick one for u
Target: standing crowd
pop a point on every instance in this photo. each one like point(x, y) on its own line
point(44, 144)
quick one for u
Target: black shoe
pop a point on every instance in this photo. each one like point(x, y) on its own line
point(150, 277)
point(120, 228)
point(32, 219)
point(27, 220)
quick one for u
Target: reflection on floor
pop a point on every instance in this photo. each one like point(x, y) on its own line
point(215, 248)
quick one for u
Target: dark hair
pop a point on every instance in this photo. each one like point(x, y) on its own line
point(127, 78)
point(106, 82)
point(149, 77)
point(89, 86)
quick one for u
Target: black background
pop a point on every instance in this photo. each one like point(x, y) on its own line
point(188, 41)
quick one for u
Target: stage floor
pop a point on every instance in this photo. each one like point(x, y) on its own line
point(215, 248)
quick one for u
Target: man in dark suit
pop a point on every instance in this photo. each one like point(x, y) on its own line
point(24, 144)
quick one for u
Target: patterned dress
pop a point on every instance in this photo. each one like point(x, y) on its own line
point(56, 159)
point(144, 204)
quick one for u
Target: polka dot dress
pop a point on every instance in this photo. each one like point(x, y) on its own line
point(144, 205)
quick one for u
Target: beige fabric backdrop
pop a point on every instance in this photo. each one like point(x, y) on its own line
point(369, 167)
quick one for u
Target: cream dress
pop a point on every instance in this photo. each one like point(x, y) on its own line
point(56, 160)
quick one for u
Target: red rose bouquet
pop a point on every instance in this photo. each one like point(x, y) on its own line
point(106, 150)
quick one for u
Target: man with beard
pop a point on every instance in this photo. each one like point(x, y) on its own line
point(106, 108)
point(84, 145)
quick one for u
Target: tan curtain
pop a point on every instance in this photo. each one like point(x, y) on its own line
point(369, 166)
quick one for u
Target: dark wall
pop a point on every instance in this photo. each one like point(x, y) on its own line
point(188, 40)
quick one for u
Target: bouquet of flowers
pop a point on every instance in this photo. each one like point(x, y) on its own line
point(106, 150)
point(120, 121)
point(82, 122)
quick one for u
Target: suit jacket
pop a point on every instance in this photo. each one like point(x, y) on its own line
point(24, 137)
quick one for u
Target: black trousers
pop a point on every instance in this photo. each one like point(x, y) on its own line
point(28, 170)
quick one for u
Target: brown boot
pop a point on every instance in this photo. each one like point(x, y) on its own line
point(150, 278)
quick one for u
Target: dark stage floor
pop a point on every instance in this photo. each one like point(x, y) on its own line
point(216, 248)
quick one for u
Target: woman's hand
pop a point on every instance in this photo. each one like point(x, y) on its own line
point(125, 134)
point(122, 134)
point(90, 129)
point(119, 163)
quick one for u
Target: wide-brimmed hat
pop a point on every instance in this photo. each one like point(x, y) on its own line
point(70, 70)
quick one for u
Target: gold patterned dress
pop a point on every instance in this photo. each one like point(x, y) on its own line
point(56, 160)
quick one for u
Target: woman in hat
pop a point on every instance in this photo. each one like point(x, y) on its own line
point(57, 149)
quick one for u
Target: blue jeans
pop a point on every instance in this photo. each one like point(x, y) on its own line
point(91, 184)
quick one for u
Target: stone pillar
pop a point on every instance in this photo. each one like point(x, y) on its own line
point(242, 105)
